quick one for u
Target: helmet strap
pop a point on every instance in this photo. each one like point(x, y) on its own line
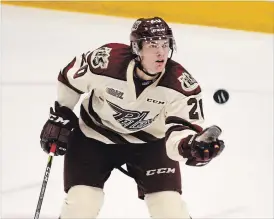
point(139, 65)
point(171, 53)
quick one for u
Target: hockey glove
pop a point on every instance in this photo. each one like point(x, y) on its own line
point(57, 129)
point(201, 148)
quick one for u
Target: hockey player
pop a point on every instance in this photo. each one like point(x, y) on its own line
point(141, 109)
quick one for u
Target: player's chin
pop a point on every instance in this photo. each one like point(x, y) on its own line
point(159, 68)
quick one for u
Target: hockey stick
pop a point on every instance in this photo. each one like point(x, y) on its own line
point(45, 181)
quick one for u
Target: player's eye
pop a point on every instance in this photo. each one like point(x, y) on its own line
point(152, 46)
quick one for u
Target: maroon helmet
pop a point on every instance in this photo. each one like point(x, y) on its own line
point(147, 29)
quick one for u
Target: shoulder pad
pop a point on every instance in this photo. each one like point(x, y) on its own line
point(178, 78)
point(110, 59)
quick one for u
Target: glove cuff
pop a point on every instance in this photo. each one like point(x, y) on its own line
point(68, 114)
point(185, 147)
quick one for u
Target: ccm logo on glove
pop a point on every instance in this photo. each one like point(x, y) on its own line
point(58, 128)
point(58, 119)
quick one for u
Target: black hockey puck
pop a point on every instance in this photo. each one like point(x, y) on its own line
point(221, 96)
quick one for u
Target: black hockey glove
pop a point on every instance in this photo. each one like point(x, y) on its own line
point(57, 129)
point(201, 148)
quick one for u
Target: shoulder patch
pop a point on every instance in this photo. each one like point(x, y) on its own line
point(110, 60)
point(179, 79)
point(188, 83)
point(100, 57)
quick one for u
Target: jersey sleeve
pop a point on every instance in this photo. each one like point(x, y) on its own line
point(184, 117)
point(73, 80)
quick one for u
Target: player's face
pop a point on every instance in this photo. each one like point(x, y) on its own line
point(154, 55)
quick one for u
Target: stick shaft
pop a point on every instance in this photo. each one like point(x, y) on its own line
point(45, 181)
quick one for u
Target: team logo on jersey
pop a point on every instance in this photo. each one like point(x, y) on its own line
point(115, 93)
point(100, 58)
point(131, 120)
point(188, 83)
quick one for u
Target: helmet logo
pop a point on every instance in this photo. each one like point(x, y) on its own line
point(136, 25)
point(153, 21)
point(153, 30)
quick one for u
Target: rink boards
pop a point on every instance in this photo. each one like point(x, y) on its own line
point(240, 15)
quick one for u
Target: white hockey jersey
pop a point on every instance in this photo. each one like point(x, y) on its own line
point(170, 108)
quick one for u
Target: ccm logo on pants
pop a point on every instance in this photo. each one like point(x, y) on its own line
point(160, 171)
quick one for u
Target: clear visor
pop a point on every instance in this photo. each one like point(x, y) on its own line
point(154, 43)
